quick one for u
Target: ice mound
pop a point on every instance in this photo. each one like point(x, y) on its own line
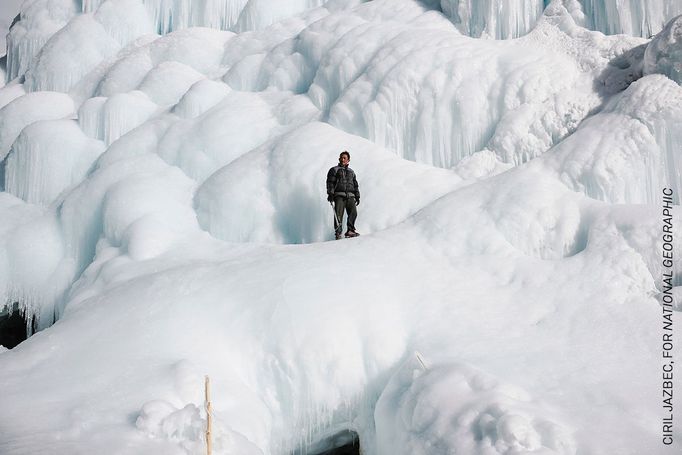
point(26, 109)
point(48, 157)
point(282, 177)
point(186, 428)
point(627, 164)
point(198, 49)
point(664, 54)
point(40, 19)
point(185, 425)
point(201, 97)
point(453, 408)
point(240, 122)
point(10, 92)
point(57, 67)
point(107, 119)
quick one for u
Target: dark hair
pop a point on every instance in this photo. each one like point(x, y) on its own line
point(344, 153)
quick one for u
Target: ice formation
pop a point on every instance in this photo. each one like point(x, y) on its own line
point(40, 19)
point(493, 18)
point(163, 217)
point(664, 54)
point(504, 418)
point(504, 19)
point(643, 18)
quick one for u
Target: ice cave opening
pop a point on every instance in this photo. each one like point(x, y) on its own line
point(345, 442)
point(12, 326)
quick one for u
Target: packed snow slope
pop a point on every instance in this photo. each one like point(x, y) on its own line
point(164, 217)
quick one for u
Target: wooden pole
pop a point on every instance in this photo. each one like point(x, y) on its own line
point(207, 390)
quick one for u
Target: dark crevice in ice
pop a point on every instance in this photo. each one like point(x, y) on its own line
point(12, 326)
point(346, 442)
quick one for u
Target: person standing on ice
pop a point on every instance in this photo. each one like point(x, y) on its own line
point(343, 192)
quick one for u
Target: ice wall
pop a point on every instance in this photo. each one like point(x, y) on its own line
point(503, 19)
point(643, 18)
point(478, 96)
point(497, 19)
point(200, 100)
point(238, 15)
point(148, 206)
point(124, 20)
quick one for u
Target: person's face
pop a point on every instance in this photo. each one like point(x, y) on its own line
point(344, 160)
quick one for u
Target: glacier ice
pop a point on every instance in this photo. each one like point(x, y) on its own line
point(163, 181)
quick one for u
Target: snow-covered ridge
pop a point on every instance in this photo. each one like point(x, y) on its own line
point(163, 199)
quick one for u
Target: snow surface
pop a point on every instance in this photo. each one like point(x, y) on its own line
point(162, 200)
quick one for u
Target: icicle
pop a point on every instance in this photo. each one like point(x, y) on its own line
point(634, 17)
point(89, 6)
point(498, 19)
point(37, 170)
point(123, 112)
point(20, 50)
point(39, 277)
point(90, 117)
point(40, 20)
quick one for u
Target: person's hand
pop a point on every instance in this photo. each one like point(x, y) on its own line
point(330, 197)
point(357, 201)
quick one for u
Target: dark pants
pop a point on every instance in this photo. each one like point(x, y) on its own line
point(341, 203)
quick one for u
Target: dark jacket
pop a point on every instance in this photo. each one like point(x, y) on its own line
point(341, 181)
